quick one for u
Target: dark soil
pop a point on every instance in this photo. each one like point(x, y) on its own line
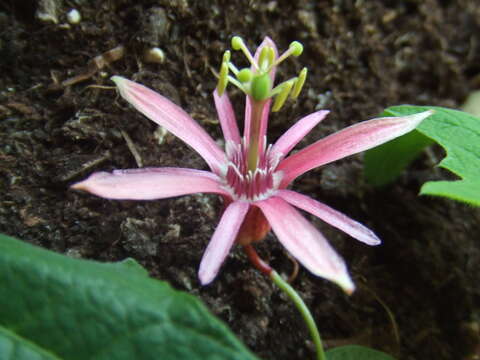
point(418, 294)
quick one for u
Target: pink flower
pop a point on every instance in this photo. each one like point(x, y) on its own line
point(256, 197)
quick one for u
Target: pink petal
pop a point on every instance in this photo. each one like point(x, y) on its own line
point(227, 117)
point(150, 183)
point(266, 109)
point(351, 140)
point(305, 242)
point(331, 216)
point(297, 132)
point(222, 240)
point(165, 113)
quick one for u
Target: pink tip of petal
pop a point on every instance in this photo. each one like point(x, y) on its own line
point(173, 118)
point(305, 242)
point(330, 216)
point(347, 285)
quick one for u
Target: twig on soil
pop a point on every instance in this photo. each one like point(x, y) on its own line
point(390, 314)
point(96, 64)
point(85, 166)
point(132, 148)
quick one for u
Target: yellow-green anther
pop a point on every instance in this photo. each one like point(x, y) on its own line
point(299, 83)
point(226, 56)
point(222, 79)
point(283, 95)
point(244, 75)
point(237, 43)
point(271, 55)
point(261, 86)
point(296, 48)
point(264, 58)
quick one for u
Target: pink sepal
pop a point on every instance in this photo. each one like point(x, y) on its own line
point(305, 242)
point(150, 183)
point(330, 216)
point(170, 116)
point(349, 141)
point(222, 241)
point(226, 117)
point(297, 132)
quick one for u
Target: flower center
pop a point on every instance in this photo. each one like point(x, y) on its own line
point(250, 185)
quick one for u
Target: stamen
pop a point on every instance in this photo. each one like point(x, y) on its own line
point(299, 83)
point(238, 44)
point(233, 68)
point(282, 96)
point(295, 49)
point(226, 56)
point(222, 79)
point(236, 83)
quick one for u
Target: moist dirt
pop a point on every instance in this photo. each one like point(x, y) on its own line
point(61, 119)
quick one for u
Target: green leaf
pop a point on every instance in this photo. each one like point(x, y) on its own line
point(130, 264)
point(13, 347)
point(462, 190)
point(80, 309)
point(385, 163)
point(356, 352)
point(456, 131)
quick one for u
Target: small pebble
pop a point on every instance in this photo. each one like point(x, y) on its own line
point(47, 11)
point(74, 17)
point(154, 55)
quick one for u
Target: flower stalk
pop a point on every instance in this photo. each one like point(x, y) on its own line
point(288, 290)
point(257, 261)
point(304, 311)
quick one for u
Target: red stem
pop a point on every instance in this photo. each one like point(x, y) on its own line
point(261, 265)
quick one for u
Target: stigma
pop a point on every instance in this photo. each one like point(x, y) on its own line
point(256, 81)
